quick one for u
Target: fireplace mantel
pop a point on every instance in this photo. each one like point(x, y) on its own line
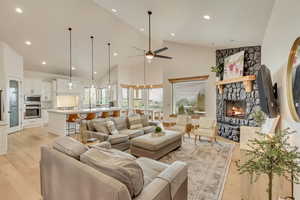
point(247, 81)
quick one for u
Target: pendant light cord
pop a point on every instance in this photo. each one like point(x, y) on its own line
point(144, 69)
point(70, 31)
point(149, 13)
point(92, 40)
point(109, 63)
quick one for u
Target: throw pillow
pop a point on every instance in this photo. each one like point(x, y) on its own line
point(268, 125)
point(124, 170)
point(69, 146)
point(112, 128)
point(100, 126)
point(120, 122)
point(135, 122)
point(145, 120)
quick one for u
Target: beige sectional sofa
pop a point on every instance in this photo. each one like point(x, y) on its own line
point(121, 141)
point(64, 176)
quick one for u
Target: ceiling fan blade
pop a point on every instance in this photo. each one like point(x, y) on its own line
point(139, 49)
point(161, 50)
point(135, 56)
point(166, 57)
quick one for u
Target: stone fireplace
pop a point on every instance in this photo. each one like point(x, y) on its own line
point(235, 105)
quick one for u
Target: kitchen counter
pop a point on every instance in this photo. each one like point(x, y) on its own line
point(84, 111)
point(57, 119)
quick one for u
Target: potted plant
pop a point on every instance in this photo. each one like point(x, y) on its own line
point(272, 156)
point(181, 110)
point(158, 129)
point(259, 117)
point(218, 70)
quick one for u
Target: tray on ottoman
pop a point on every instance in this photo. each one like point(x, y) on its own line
point(155, 147)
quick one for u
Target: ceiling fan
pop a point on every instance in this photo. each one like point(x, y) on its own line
point(154, 54)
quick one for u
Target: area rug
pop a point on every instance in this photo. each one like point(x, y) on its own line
point(208, 166)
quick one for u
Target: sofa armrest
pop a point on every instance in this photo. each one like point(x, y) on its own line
point(158, 189)
point(154, 123)
point(100, 136)
point(176, 175)
point(105, 145)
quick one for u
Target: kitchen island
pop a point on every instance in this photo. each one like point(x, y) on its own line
point(57, 119)
point(3, 137)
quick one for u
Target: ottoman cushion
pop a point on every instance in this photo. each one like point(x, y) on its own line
point(132, 133)
point(151, 143)
point(149, 129)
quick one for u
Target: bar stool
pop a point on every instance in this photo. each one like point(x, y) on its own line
point(116, 113)
point(105, 115)
point(73, 119)
point(90, 116)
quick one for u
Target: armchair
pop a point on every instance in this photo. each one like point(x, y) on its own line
point(207, 128)
point(181, 125)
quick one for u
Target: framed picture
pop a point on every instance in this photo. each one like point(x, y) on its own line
point(234, 65)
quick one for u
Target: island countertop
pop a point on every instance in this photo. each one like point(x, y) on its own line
point(84, 111)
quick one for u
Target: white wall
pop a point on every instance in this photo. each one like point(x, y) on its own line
point(281, 32)
point(189, 60)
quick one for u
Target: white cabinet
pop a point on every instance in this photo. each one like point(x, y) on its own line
point(32, 87)
point(45, 116)
point(46, 91)
point(3, 139)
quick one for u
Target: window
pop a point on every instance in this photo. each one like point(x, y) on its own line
point(102, 96)
point(89, 98)
point(125, 98)
point(138, 101)
point(189, 97)
point(155, 98)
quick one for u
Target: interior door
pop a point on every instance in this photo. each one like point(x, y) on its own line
point(14, 111)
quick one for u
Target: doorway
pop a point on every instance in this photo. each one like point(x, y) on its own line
point(14, 104)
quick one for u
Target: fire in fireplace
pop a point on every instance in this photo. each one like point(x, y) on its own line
point(235, 109)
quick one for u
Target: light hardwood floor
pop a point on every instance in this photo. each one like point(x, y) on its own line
point(20, 176)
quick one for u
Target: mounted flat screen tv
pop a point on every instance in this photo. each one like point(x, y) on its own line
point(267, 92)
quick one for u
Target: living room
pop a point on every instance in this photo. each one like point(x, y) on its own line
point(149, 100)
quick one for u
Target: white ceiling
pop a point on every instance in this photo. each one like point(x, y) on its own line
point(44, 23)
point(233, 22)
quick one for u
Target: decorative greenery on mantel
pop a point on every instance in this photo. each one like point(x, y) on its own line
point(271, 156)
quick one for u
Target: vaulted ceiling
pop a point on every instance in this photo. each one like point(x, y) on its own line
point(44, 23)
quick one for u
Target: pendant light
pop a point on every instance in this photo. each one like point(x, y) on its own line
point(109, 86)
point(92, 81)
point(70, 61)
point(144, 70)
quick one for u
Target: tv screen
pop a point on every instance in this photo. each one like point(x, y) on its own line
point(268, 102)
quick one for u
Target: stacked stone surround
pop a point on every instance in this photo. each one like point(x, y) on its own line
point(229, 127)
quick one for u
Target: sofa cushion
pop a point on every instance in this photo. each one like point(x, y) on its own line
point(151, 168)
point(135, 122)
point(132, 133)
point(206, 123)
point(115, 152)
point(120, 122)
point(100, 126)
point(145, 120)
point(116, 139)
point(69, 146)
point(124, 170)
point(112, 128)
point(149, 129)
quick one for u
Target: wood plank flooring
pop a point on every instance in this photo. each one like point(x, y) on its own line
point(20, 176)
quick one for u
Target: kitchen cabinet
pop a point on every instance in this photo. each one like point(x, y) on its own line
point(46, 91)
point(3, 138)
point(32, 87)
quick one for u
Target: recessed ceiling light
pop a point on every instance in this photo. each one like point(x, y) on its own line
point(44, 63)
point(172, 34)
point(142, 29)
point(114, 10)
point(207, 17)
point(116, 54)
point(28, 43)
point(73, 68)
point(95, 72)
point(19, 10)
